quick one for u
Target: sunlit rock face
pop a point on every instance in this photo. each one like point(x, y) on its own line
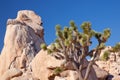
point(112, 65)
point(22, 42)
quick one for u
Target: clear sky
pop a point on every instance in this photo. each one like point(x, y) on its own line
point(101, 13)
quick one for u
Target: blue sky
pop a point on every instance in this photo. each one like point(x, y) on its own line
point(101, 13)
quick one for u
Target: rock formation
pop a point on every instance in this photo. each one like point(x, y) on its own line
point(112, 65)
point(22, 59)
point(42, 62)
point(21, 43)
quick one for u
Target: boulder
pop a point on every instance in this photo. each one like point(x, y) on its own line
point(43, 61)
point(68, 75)
point(22, 41)
point(112, 65)
point(116, 77)
point(101, 74)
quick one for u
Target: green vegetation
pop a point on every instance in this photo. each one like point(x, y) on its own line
point(57, 70)
point(74, 45)
point(105, 56)
point(116, 48)
point(43, 46)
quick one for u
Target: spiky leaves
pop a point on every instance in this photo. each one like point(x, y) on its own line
point(58, 70)
point(58, 28)
point(116, 48)
point(72, 25)
point(84, 40)
point(69, 37)
point(88, 33)
point(101, 46)
point(43, 46)
point(106, 35)
point(75, 45)
point(49, 51)
point(65, 32)
point(86, 27)
point(105, 56)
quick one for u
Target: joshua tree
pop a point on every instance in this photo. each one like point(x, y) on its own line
point(74, 45)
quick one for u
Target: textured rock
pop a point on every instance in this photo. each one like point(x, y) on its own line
point(9, 74)
point(59, 78)
point(103, 51)
point(112, 65)
point(25, 76)
point(116, 77)
point(22, 41)
point(101, 74)
point(43, 61)
point(68, 75)
point(32, 20)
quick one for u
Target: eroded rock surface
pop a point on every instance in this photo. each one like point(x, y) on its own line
point(22, 42)
point(112, 65)
point(11, 73)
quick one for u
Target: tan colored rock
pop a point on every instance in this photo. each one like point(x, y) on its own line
point(22, 41)
point(69, 75)
point(60, 78)
point(101, 74)
point(9, 74)
point(114, 68)
point(105, 65)
point(103, 51)
point(25, 76)
point(32, 20)
point(43, 61)
point(73, 75)
point(116, 77)
point(112, 65)
point(113, 77)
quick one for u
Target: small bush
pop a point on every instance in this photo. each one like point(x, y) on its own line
point(105, 56)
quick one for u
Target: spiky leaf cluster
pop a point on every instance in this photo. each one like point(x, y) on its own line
point(74, 45)
point(116, 48)
point(70, 36)
point(43, 46)
point(57, 70)
point(86, 27)
point(105, 56)
point(106, 35)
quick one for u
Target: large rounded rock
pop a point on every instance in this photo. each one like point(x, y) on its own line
point(101, 74)
point(43, 61)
